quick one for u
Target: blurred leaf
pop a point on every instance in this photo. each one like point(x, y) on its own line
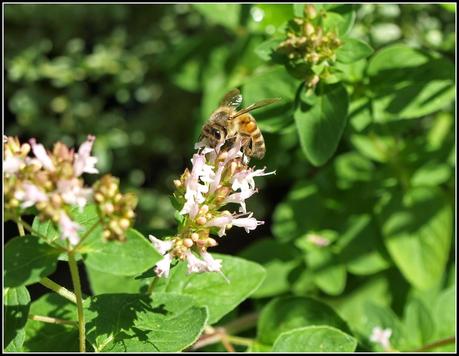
point(431, 174)
point(408, 83)
point(320, 127)
point(444, 314)
point(28, 260)
point(315, 339)
point(16, 303)
point(265, 49)
point(328, 271)
point(139, 323)
point(227, 16)
point(46, 337)
point(417, 231)
point(212, 290)
point(353, 50)
point(103, 282)
point(287, 313)
point(418, 324)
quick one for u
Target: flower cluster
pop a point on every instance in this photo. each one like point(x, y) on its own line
point(218, 177)
point(307, 47)
point(52, 182)
point(381, 337)
point(115, 209)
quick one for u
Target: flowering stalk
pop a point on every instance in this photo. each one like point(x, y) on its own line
point(218, 177)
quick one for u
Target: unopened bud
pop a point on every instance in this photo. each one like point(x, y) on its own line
point(195, 236)
point(204, 209)
point(108, 208)
point(201, 220)
point(177, 183)
point(211, 242)
point(188, 242)
point(124, 223)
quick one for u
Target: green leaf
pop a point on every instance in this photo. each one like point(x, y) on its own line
point(431, 174)
point(315, 339)
point(353, 50)
point(417, 232)
point(227, 16)
point(418, 324)
point(278, 260)
point(16, 303)
point(408, 83)
point(329, 274)
point(45, 337)
point(128, 258)
point(28, 260)
point(266, 49)
point(287, 313)
point(140, 323)
point(212, 290)
point(444, 314)
point(320, 126)
point(352, 168)
point(103, 282)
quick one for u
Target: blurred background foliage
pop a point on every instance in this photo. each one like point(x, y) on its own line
point(143, 79)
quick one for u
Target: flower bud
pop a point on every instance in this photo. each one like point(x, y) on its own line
point(194, 236)
point(201, 220)
point(188, 242)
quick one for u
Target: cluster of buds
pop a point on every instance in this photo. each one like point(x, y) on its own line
point(218, 177)
point(49, 181)
point(115, 209)
point(307, 45)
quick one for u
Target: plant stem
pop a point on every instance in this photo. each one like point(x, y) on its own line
point(152, 285)
point(239, 340)
point(29, 228)
point(47, 319)
point(62, 291)
point(20, 227)
point(77, 287)
point(442, 342)
point(87, 233)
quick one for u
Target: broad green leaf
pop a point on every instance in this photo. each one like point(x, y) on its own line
point(431, 174)
point(46, 337)
point(417, 232)
point(103, 282)
point(315, 339)
point(28, 260)
point(328, 271)
point(16, 307)
point(269, 17)
point(374, 147)
point(408, 83)
point(212, 290)
point(418, 324)
point(134, 256)
point(353, 50)
point(227, 16)
point(276, 116)
point(287, 313)
point(278, 260)
point(444, 314)
point(352, 168)
point(265, 50)
point(140, 323)
point(320, 126)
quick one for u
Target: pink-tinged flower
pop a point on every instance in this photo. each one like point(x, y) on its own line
point(239, 198)
point(217, 178)
point(40, 152)
point(234, 152)
point(195, 265)
point(161, 246)
point(163, 267)
point(318, 240)
point(69, 229)
point(222, 222)
point(244, 181)
point(213, 265)
point(84, 162)
point(381, 336)
point(247, 223)
point(12, 164)
point(73, 193)
point(29, 194)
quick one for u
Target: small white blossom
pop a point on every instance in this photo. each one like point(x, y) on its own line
point(161, 246)
point(69, 229)
point(29, 195)
point(247, 223)
point(163, 267)
point(244, 181)
point(222, 222)
point(73, 193)
point(213, 265)
point(40, 152)
point(12, 164)
point(381, 336)
point(195, 265)
point(84, 162)
point(217, 178)
point(318, 240)
point(239, 198)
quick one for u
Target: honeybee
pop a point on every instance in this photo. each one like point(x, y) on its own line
point(228, 124)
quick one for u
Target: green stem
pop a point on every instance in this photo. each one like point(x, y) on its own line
point(152, 285)
point(438, 343)
point(20, 227)
point(240, 340)
point(87, 233)
point(77, 287)
point(62, 291)
point(50, 320)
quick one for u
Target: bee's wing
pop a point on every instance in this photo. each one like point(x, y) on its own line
point(233, 98)
point(256, 105)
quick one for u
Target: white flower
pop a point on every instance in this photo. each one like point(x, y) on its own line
point(213, 265)
point(73, 193)
point(84, 162)
point(12, 164)
point(195, 265)
point(69, 229)
point(247, 223)
point(239, 198)
point(222, 222)
point(41, 154)
point(381, 336)
point(161, 246)
point(318, 240)
point(217, 178)
point(29, 194)
point(163, 267)
point(244, 181)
